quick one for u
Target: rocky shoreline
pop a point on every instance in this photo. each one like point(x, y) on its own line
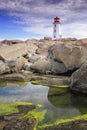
point(18, 59)
point(16, 121)
point(74, 125)
point(51, 59)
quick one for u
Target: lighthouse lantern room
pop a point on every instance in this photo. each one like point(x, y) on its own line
point(56, 25)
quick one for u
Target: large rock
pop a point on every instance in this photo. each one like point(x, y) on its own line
point(20, 63)
point(79, 80)
point(43, 47)
point(17, 50)
point(33, 58)
point(66, 58)
point(41, 66)
point(14, 65)
point(31, 45)
point(84, 41)
point(4, 68)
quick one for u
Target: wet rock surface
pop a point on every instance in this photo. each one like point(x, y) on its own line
point(13, 77)
point(19, 124)
point(16, 121)
point(75, 125)
point(79, 80)
point(50, 80)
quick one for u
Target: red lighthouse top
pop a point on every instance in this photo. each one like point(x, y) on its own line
point(56, 20)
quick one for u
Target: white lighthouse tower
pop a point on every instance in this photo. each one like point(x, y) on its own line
point(56, 24)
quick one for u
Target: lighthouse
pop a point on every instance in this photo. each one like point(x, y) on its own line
point(56, 24)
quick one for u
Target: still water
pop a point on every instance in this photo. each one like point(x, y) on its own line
point(57, 107)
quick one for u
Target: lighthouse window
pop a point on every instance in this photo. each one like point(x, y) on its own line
point(54, 30)
point(55, 25)
point(54, 36)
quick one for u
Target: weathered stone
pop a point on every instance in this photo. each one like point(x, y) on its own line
point(43, 47)
point(13, 51)
point(27, 124)
point(20, 63)
point(27, 66)
point(2, 67)
point(10, 42)
point(65, 58)
point(79, 80)
point(17, 121)
point(48, 38)
point(31, 46)
point(7, 69)
point(41, 66)
point(14, 77)
point(26, 73)
point(84, 41)
point(33, 58)
point(74, 125)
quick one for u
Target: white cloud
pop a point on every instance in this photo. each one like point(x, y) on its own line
point(77, 30)
point(45, 31)
point(37, 16)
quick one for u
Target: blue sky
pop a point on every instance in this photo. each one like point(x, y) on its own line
point(24, 19)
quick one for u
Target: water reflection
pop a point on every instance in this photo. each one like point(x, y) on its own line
point(68, 100)
point(12, 84)
point(29, 92)
point(65, 105)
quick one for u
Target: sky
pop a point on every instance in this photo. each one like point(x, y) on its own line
point(26, 19)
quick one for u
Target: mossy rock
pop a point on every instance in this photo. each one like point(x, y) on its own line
point(56, 90)
point(18, 84)
point(63, 122)
point(60, 86)
point(74, 125)
point(36, 82)
point(7, 109)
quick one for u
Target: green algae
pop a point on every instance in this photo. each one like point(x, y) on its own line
point(56, 91)
point(7, 109)
point(39, 82)
point(41, 116)
point(38, 115)
point(36, 82)
point(63, 121)
point(60, 86)
point(43, 122)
